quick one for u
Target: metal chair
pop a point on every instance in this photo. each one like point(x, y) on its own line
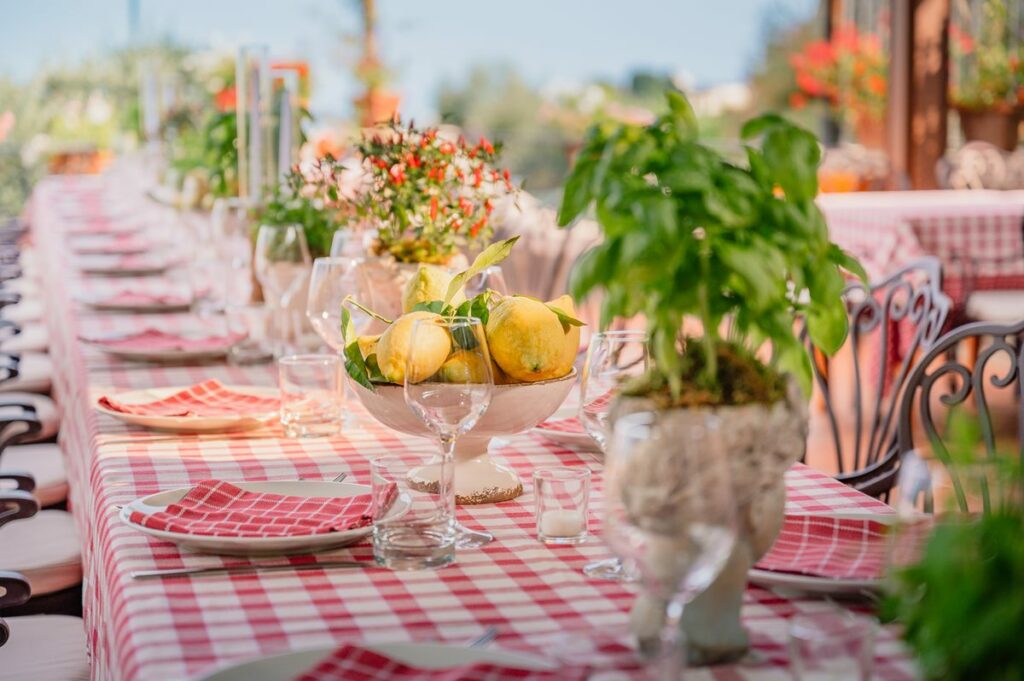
point(21, 422)
point(968, 379)
point(910, 299)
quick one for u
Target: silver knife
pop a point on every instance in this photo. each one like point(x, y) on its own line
point(234, 569)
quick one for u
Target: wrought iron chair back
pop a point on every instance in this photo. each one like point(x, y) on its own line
point(961, 381)
point(908, 300)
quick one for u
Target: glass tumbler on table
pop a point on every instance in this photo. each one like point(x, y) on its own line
point(420, 532)
point(832, 646)
point(311, 396)
point(448, 385)
point(562, 498)
point(612, 357)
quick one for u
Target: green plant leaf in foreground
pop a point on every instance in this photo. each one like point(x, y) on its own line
point(491, 255)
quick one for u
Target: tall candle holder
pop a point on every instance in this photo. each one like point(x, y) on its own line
point(253, 101)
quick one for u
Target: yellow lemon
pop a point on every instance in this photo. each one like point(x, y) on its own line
point(395, 345)
point(464, 367)
point(571, 343)
point(526, 340)
point(367, 345)
point(428, 284)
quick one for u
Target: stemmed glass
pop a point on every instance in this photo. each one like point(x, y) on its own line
point(670, 510)
point(281, 263)
point(612, 357)
point(448, 385)
point(331, 281)
point(230, 223)
point(491, 279)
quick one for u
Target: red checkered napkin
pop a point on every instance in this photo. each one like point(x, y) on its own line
point(157, 341)
point(128, 298)
point(572, 425)
point(219, 509)
point(831, 547)
point(352, 663)
point(122, 244)
point(207, 399)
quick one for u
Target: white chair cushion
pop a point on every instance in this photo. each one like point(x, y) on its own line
point(26, 287)
point(26, 310)
point(46, 410)
point(45, 549)
point(45, 463)
point(34, 337)
point(35, 375)
point(50, 647)
point(996, 306)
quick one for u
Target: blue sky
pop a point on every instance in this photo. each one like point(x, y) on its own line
point(551, 42)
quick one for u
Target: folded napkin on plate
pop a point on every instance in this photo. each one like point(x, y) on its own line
point(572, 425)
point(353, 663)
point(119, 245)
point(208, 399)
point(219, 509)
point(143, 299)
point(831, 547)
point(155, 340)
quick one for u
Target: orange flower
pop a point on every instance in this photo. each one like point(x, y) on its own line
point(225, 99)
point(797, 100)
point(876, 84)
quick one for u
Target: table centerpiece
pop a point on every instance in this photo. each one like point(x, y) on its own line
point(687, 233)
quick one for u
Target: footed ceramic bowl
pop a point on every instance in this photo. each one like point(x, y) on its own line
point(513, 409)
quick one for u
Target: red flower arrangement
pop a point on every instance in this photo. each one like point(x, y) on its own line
point(430, 197)
point(848, 72)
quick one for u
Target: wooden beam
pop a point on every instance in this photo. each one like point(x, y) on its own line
point(918, 82)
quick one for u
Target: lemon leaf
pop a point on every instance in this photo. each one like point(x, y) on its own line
point(491, 255)
point(349, 300)
point(566, 320)
point(355, 366)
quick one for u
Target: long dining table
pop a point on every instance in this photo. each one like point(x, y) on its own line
point(161, 630)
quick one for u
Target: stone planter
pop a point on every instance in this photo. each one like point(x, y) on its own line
point(995, 126)
point(762, 442)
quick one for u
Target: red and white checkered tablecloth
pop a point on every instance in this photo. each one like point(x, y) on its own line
point(889, 229)
point(157, 630)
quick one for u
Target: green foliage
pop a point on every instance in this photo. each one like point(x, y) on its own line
point(962, 604)
point(314, 204)
point(210, 149)
point(687, 232)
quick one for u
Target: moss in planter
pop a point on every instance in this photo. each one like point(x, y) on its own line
point(742, 379)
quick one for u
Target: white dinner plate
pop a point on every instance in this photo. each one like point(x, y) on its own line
point(424, 655)
point(189, 424)
point(134, 308)
point(260, 546)
point(580, 441)
point(112, 267)
point(813, 585)
point(169, 356)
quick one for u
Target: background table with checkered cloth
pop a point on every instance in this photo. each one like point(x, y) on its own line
point(178, 628)
point(889, 229)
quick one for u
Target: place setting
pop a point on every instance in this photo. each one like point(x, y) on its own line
point(139, 299)
point(155, 345)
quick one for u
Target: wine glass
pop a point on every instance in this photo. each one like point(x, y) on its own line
point(331, 281)
point(448, 385)
point(612, 357)
point(491, 279)
point(673, 516)
point(281, 262)
point(233, 241)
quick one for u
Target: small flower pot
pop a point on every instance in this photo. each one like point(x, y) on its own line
point(998, 126)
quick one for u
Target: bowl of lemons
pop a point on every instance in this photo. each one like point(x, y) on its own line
point(532, 347)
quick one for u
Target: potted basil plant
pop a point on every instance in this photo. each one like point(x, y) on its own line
point(690, 234)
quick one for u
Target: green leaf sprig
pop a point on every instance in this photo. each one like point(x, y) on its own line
point(689, 232)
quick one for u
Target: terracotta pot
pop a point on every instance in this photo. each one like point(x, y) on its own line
point(870, 131)
point(762, 442)
point(995, 126)
point(377, 106)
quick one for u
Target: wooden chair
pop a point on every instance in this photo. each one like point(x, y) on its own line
point(907, 301)
point(930, 380)
point(50, 647)
point(42, 546)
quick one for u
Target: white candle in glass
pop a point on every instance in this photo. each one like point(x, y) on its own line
point(561, 523)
